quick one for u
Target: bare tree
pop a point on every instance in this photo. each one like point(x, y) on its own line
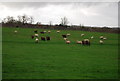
point(38, 23)
point(64, 21)
point(25, 19)
point(4, 20)
point(31, 19)
point(10, 19)
point(19, 18)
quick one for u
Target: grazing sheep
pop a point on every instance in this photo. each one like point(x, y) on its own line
point(36, 35)
point(67, 42)
point(43, 38)
point(42, 32)
point(101, 42)
point(79, 42)
point(36, 31)
point(65, 39)
point(47, 38)
point(64, 36)
point(101, 37)
point(83, 42)
point(32, 36)
point(15, 31)
point(82, 35)
point(86, 42)
point(49, 31)
point(104, 38)
point(36, 40)
point(92, 37)
point(17, 26)
point(58, 31)
point(68, 34)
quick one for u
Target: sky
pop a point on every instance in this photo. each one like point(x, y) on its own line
point(86, 13)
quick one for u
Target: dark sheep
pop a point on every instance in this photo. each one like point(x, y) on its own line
point(42, 32)
point(64, 36)
point(32, 36)
point(43, 38)
point(86, 42)
point(83, 42)
point(35, 31)
point(47, 38)
point(17, 26)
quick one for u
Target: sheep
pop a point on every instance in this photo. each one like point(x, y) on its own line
point(67, 42)
point(82, 35)
point(49, 31)
point(104, 38)
point(86, 42)
point(43, 38)
point(36, 40)
point(42, 32)
point(47, 38)
point(92, 37)
point(101, 41)
point(101, 37)
point(15, 31)
point(68, 34)
point(17, 26)
point(35, 31)
point(79, 42)
point(64, 36)
point(36, 35)
point(32, 36)
point(83, 42)
point(58, 31)
point(65, 39)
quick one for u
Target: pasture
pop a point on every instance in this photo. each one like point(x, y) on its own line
point(54, 59)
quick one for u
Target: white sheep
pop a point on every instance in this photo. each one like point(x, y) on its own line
point(101, 37)
point(36, 40)
point(65, 39)
point(44, 31)
point(67, 42)
point(68, 34)
point(104, 38)
point(58, 31)
point(92, 37)
point(101, 42)
point(49, 31)
point(36, 35)
point(82, 35)
point(79, 42)
point(15, 31)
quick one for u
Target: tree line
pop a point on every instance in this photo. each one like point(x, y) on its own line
point(21, 19)
point(25, 19)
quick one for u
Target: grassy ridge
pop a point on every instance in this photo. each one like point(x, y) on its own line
point(22, 58)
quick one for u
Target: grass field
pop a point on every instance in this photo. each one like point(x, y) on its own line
point(23, 59)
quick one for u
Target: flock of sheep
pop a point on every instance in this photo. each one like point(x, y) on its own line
point(65, 38)
point(36, 36)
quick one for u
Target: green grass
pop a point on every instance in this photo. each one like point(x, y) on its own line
point(23, 59)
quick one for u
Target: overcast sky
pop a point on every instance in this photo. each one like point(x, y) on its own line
point(87, 13)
